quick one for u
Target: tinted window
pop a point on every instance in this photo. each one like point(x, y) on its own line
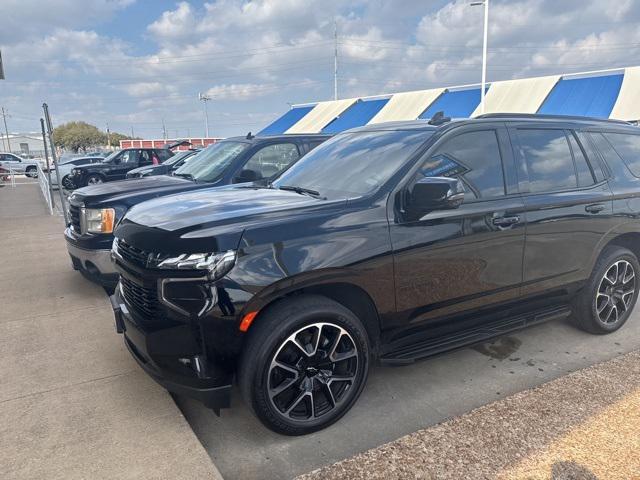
point(272, 159)
point(585, 176)
point(212, 162)
point(163, 154)
point(596, 164)
point(628, 147)
point(145, 157)
point(354, 164)
point(548, 160)
point(82, 161)
point(129, 157)
point(475, 159)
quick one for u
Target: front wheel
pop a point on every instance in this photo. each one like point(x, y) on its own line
point(31, 172)
point(67, 183)
point(304, 365)
point(606, 302)
point(94, 179)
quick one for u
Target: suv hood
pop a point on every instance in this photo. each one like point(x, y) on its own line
point(131, 191)
point(204, 209)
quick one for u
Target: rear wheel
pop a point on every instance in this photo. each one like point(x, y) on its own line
point(304, 365)
point(94, 179)
point(607, 301)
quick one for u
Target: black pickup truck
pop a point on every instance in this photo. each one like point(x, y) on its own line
point(97, 209)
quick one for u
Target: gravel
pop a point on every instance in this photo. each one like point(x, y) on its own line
point(585, 425)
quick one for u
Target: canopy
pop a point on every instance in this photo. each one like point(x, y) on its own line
point(627, 106)
point(406, 105)
point(320, 116)
point(285, 122)
point(587, 96)
point(455, 104)
point(517, 96)
point(359, 114)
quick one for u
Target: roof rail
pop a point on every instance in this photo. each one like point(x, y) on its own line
point(550, 117)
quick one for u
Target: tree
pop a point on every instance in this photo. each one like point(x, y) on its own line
point(76, 136)
point(116, 137)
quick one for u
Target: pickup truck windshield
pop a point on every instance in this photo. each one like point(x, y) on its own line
point(211, 163)
point(353, 164)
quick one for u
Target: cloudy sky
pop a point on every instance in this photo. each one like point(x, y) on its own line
point(133, 64)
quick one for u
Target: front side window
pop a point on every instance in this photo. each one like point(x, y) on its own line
point(472, 157)
point(271, 160)
point(211, 163)
point(627, 146)
point(129, 157)
point(354, 164)
point(548, 158)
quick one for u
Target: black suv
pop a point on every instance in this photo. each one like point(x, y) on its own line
point(165, 168)
point(391, 242)
point(94, 211)
point(115, 166)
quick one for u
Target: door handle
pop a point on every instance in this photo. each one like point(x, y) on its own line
point(596, 208)
point(505, 221)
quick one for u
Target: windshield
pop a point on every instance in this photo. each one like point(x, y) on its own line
point(353, 164)
point(177, 157)
point(211, 163)
point(109, 158)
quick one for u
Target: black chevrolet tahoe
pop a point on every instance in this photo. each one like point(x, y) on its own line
point(94, 211)
point(389, 242)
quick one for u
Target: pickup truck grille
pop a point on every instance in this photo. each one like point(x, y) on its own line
point(144, 301)
point(74, 212)
point(132, 254)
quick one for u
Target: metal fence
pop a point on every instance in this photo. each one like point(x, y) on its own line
point(46, 189)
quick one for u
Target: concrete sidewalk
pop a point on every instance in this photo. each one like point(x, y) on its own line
point(73, 404)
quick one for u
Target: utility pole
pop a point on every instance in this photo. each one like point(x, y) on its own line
point(164, 131)
point(132, 135)
point(335, 60)
point(108, 137)
point(54, 156)
point(204, 99)
point(4, 117)
point(484, 3)
point(46, 157)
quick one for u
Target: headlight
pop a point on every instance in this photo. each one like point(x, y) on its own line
point(217, 264)
point(98, 220)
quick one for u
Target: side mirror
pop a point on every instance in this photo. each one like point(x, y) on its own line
point(117, 161)
point(433, 193)
point(246, 175)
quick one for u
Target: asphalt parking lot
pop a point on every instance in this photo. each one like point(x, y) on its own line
point(401, 400)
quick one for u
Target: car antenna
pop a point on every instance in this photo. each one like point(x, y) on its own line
point(439, 118)
point(249, 136)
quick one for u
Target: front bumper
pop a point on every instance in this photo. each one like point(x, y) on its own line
point(96, 264)
point(171, 357)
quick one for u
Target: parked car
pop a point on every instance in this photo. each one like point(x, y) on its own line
point(65, 167)
point(94, 211)
point(10, 162)
point(116, 166)
point(391, 242)
point(165, 168)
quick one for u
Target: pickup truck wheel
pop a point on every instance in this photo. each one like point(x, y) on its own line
point(304, 365)
point(94, 179)
point(31, 172)
point(606, 302)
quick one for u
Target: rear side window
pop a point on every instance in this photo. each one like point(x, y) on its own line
point(585, 175)
point(628, 147)
point(475, 159)
point(548, 158)
point(596, 164)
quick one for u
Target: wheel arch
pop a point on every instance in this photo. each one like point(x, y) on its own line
point(349, 295)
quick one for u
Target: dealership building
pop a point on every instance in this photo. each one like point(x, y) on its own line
point(611, 94)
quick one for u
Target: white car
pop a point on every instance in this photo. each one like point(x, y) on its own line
point(65, 167)
point(14, 163)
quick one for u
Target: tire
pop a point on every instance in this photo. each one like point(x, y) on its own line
point(31, 172)
point(95, 179)
point(67, 183)
point(606, 302)
point(329, 381)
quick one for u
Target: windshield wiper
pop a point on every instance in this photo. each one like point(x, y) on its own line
point(188, 176)
point(301, 190)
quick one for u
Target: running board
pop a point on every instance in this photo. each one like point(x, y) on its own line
point(434, 346)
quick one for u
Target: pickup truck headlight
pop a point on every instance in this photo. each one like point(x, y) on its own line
point(98, 220)
point(217, 264)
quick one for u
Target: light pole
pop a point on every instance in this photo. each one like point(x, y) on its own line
point(204, 99)
point(484, 3)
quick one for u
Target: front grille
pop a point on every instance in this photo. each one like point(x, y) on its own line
point(132, 254)
point(74, 213)
point(144, 301)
